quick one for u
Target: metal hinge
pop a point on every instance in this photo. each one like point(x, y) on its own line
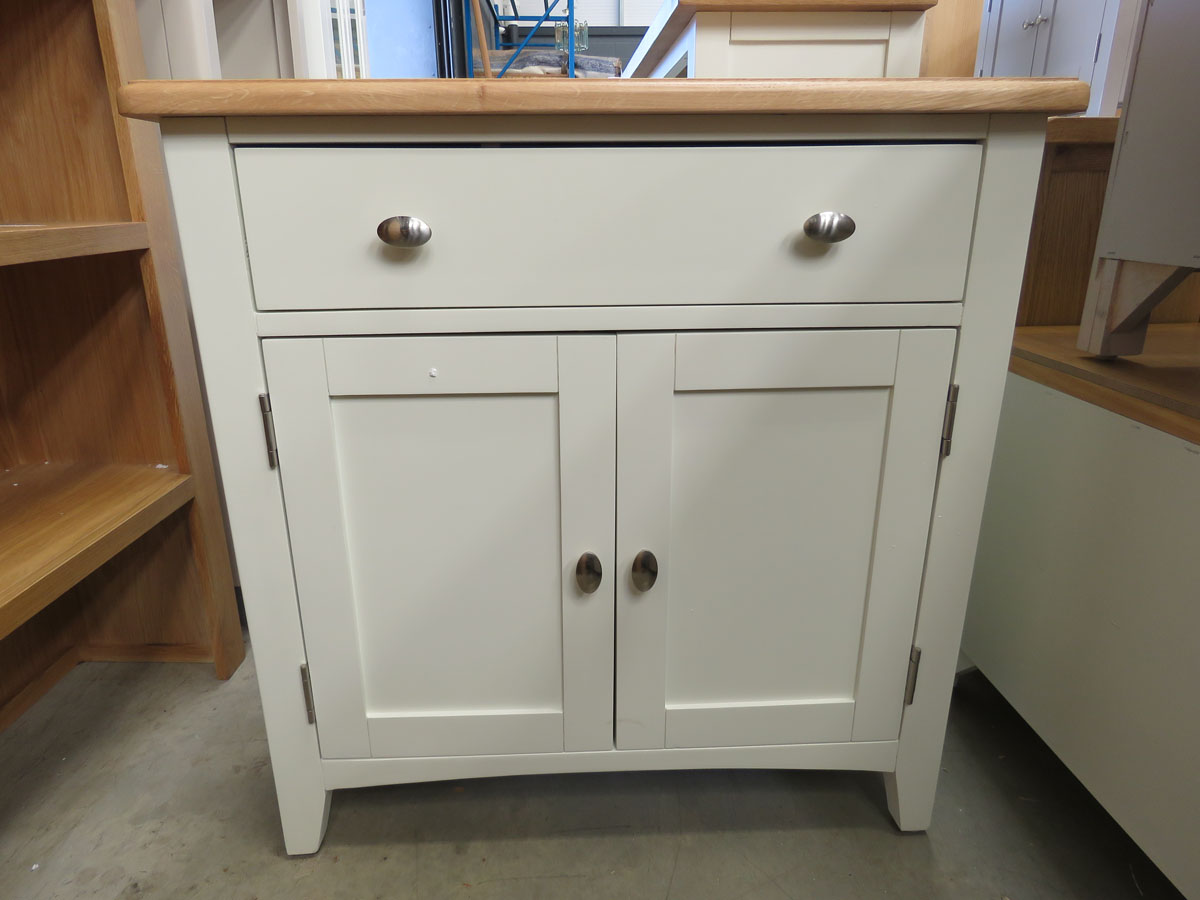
point(306, 686)
point(910, 684)
point(948, 419)
point(264, 404)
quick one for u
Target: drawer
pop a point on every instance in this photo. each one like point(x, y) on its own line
point(606, 226)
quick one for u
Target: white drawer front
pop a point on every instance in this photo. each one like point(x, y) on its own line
point(596, 226)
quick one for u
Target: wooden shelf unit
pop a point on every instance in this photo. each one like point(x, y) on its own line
point(36, 243)
point(60, 522)
point(1160, 387)
point(112, 541)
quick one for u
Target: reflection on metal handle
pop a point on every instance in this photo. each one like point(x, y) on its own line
point(1034, 22)
point(588, 573)
point(404, 231)
point(829, 227)
point(645, 570)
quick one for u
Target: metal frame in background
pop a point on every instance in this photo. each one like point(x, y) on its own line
point(538, 21)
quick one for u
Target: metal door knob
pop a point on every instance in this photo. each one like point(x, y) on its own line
point(645, 570)
point(588, 573)
point(1034, 23)
point(829, 227)
point(404, 231)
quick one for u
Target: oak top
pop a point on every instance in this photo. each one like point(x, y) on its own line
point(563, 96)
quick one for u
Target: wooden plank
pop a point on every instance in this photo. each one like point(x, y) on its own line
point(145, 653)
point(11, 710)
point(951, 39)
point(60, 522)
point(166, 301)
point(34, 243)
point(1167, 374)
point(156, 99)
point(57, 125)
point(1081, 129)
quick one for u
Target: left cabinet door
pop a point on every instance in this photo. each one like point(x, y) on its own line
point(440, 492)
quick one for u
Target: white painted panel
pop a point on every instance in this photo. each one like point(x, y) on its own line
point(308, 470)
point(770, 722)
point(791, 26)
point(1083, 607)
point(1150, 208)
point(588, 450)
point(622, 318)
point(645, 379)
point(905, 502)
point(446, 365)
point(815, 59)
point(788, 359)
point(877, 756)
point(1071, 38)
point(316, 247)
point(905, 41)
point(799, 495)
point(452, 520)
point(773, 497)
point(467, 734)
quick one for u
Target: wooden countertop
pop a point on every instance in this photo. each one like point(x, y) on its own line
point(477, 96)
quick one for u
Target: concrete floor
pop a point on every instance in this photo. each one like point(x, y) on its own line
point(134, 780)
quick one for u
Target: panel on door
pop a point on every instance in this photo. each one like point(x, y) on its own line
point(440, 491)
point(782, 482)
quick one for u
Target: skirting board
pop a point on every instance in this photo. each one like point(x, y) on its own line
point(866, 756)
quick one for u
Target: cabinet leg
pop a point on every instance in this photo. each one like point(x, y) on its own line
point(910, 793)
point(304, 813)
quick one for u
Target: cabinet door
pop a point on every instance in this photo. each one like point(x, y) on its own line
point(784, 482)
point(439, 493)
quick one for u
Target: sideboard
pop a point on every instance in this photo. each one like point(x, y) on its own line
point(694, 484)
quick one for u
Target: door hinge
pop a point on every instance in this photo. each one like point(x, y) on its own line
point(268, 417)
point(306, 686)
point(948, 419)
point(910, 684)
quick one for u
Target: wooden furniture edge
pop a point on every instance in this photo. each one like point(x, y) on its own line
point(39, 687)
point(166, 293)
point(276, 97)
point(1082, 129)
point(97, 548)
point(38, 242)
point(1158, 417)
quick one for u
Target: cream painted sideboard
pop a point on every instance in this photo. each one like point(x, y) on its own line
point(782, 39)
point(680, 499)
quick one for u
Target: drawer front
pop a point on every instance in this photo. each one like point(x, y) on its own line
point(606, 226)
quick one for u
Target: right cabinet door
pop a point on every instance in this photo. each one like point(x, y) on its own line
point(782, 482)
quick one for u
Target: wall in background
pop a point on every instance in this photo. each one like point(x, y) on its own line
point(400, 40)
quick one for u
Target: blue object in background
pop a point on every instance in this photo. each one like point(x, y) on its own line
point(400, 42)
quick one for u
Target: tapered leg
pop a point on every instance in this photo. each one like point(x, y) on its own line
point(304, 813)
point(910, 796)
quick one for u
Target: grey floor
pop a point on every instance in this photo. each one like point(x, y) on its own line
point(133, 780)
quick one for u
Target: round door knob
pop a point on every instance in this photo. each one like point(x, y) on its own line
point(645, 570)
point(588, 573)
point(829, 227)
point(404, 231)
